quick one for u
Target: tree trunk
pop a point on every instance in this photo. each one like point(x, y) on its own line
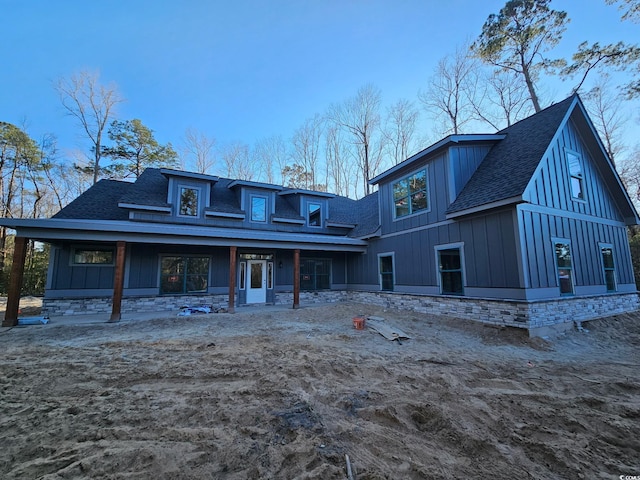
point(530, 87)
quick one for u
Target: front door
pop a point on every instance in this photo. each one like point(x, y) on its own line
point(257, 287)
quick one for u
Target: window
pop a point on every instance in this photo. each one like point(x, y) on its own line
point(314, 217)
point(410, 194)
point(270, 275)
point(258, 208)
point(102, 256)
point(243, 271)
point(386, 272)
point(188, 202)
point(450, 267)
point(609, 268)
point(575, 173)
point(564, 267)
point(184, 274)
point(315, 273)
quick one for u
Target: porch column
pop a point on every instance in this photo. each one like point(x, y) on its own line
point(296, 278)
point(15, 282)
point(118, 282)
point(232, 279)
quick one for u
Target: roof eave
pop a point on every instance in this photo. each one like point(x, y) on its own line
point(450, 140)
point(139, 232)
point(487, 206)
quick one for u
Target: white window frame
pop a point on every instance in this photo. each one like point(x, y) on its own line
point(463, 269)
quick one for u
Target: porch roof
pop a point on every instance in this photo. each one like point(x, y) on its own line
point(52, 229)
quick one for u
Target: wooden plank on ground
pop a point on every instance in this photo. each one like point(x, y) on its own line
point(387, 331)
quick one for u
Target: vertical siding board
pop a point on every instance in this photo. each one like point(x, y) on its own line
point(509, 247)
point(496, 251)
point(577, 254)
point(541, 248)
point(482, 252)
point(590, 251)
point(562, 180)
point(548, 264)
point(532, 245)
point(624, 265)
point(466, 236)
point(593, 248)
point(426, 256)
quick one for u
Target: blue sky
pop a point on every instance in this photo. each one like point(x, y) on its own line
point(247, 69)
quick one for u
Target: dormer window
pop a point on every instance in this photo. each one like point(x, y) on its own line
point(258, 208)
point(188, 202)
point(314, 214)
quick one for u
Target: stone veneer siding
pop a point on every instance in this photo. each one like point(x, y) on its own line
point(532, 315)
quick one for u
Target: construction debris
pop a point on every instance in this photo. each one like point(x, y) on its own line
point(33, 320)
point(387, 331)
point(186, 310)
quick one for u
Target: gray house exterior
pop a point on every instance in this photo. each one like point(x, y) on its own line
point(525, 227)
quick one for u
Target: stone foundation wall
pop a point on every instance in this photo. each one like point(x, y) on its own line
point(535, 315)
point(88, 306)
point(530, 315)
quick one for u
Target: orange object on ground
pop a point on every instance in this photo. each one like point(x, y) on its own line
point(358, 323)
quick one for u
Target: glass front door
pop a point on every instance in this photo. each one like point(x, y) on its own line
point(257, 284)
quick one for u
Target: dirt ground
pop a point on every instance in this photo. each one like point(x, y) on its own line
point(275, 393)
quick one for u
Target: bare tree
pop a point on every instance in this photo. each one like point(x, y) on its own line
point(448, 90)
point(237, 161)
point(340, 174)
point(271, 155)
point(400, 128)
point(306, 147)
point(501, 101)
point(92, 105)
point(359, 116)
point(198, 151)
point(605, 109)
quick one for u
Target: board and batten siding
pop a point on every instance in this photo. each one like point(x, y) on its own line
point(552, 213)
point(463, 162)
point(489, 251)
point(66, 276)
point(551, 185)
point(437, 191)
point(538, 234)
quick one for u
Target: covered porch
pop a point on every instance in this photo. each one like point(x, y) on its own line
point(244, 271)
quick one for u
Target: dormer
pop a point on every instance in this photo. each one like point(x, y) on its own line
point(169, 193)
point(257, 200)
point(312, 207)
point(189, 194)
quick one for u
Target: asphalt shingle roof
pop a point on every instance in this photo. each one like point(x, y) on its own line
point(150, 189)
point(506, 170)
point(100, 202)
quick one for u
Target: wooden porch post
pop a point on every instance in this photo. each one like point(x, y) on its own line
point(15, 282)
point(296, 278)
point(232, 279)
point(118, 282)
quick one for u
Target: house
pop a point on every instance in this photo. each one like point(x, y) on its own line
point(526, 227)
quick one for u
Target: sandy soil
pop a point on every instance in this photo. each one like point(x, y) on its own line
point(276, 393)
